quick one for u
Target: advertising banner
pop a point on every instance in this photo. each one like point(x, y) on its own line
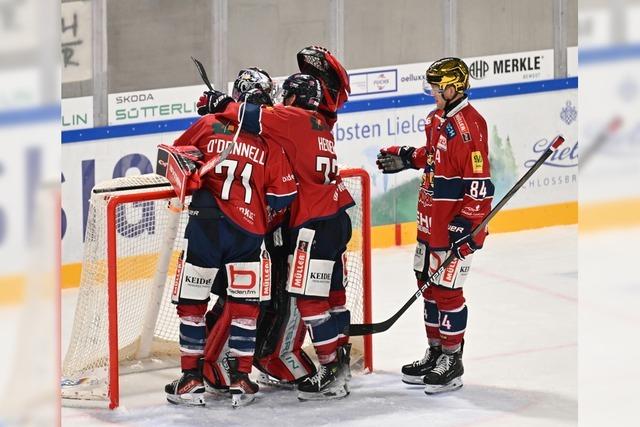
point(77, 113)
point(154, 104)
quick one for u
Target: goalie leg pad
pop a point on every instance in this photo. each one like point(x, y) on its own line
point(321, 326)
point(453, 316)
point(192, 334)
point(287, 361)
point(216, 369)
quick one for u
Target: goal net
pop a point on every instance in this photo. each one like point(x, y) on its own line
point(124, 320)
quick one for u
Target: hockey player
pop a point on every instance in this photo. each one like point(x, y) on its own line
point(320, 226)
point(455, 196)
point(281, 332)
point(225, 231)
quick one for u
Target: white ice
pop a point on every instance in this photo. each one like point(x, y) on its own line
point(520, 354)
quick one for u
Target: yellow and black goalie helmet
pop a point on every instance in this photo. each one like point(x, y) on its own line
point(448, 71)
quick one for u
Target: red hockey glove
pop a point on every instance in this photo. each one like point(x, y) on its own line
point(212, 101)
point(395, 159)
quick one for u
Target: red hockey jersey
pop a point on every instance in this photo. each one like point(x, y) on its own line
point(308, 142)
point(457, 178)
point(255, 174)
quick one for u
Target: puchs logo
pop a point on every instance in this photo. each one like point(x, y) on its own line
point(478, 69)
point(381, 81)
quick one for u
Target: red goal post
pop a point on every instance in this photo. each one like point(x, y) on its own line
point(124, 316)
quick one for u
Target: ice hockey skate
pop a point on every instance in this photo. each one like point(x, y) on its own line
point(186, 390)
point(447, 374)
point(216, 391)
point(243, 391)
point(269, 381)
point(326, 384)
point(414, 372)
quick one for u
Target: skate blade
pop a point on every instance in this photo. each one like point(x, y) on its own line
point(452, 385)
point(239, 400)
point(268, 382)
point(412, 379)
point(196, 399)
point(217, 392)
point(339, 392)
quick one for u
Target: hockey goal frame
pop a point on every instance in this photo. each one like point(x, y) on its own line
point(113, 390)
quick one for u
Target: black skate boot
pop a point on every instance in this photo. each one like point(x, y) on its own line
point(243, 390)
point(326, 384)
point(186, 390)
point(447, 374)
point(414, 372)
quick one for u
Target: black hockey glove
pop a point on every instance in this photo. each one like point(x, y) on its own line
point(395, 159)
point(212, 102)
point(460, 237)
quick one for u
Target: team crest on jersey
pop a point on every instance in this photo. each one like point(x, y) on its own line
point(464, 129)
point(476, 162)
point(316, 124)
point(220, 128)
point(442, 143)
point(450, 130)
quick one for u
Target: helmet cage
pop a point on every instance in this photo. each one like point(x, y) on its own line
point(252, 78)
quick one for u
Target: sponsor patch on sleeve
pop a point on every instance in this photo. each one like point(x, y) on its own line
point(476, 162)
point(464, 129)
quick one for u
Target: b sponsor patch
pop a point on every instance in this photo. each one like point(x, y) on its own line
point(476, 162)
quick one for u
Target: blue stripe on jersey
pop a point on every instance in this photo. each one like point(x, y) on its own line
point(280, 202)
point(451, 189)
point(251, 120)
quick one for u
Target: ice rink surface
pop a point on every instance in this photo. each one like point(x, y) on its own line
point(520, 354)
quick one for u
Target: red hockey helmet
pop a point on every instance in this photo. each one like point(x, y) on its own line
point(321, 64)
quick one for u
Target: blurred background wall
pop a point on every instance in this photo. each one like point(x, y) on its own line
point(147, 43)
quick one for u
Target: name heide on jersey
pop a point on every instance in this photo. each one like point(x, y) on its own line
point(325, 144)
point(250, 152)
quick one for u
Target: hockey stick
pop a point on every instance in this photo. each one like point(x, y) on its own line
point(374, 328)
point(216, 160)
point(202, 72)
